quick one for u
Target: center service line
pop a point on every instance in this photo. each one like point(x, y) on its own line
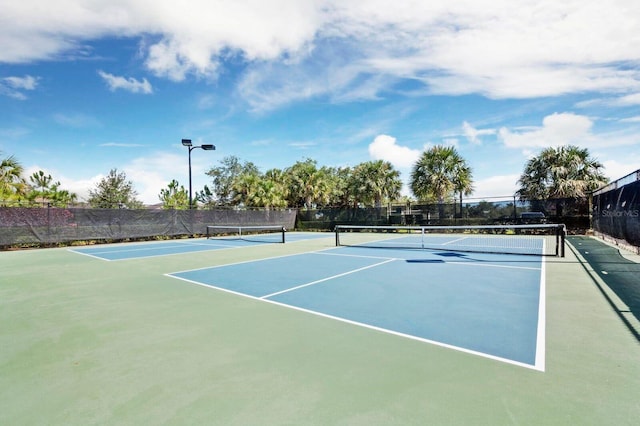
point(326, 279)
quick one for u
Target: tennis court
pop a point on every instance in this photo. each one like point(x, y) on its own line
point(166, 248)
point(424, 296)
point(232, 331)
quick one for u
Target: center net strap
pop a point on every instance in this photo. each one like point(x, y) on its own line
point(542, 240)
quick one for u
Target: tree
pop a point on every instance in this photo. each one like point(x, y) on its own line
point(62, 198)
point(205, 197)
point(223, 177)
point(245, 189)
point(174, 197)
point(375, 181)
point(256, 190)
point(439, 173)
point(48, 193)
point(12, 184)
point(114, 191)
point(463, 181)
point(562, 172)
point(308, 185)
point(342, 189)
point(41, 181)
point(275, 190)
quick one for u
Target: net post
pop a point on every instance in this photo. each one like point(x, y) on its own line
point(283, 232)
point(563, 234)
point(337, 231)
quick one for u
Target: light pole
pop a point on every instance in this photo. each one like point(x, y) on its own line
point(188, 144)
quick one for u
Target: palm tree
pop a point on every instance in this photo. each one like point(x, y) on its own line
point(269, 195)
point(375, 181)
point(12, 184)
point(463, 181)
point(308, 185)
point(255, 190)
point(275, 189)
point(246, 188)
point(439, 173)
point(342, 193)
point(562, 172)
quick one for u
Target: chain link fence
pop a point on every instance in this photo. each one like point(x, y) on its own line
point(615, 213)
point(35, 226)
point(616, 210)
point(573, 212)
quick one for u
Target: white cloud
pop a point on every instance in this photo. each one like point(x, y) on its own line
point(635, 119)
point(167, 59)
point(80, 187)
point(557, 129)
point(154, 172)
point(302, 144)
point(27, 82)
point(76, 120)
point(615, 169)
point(129, 84)
point(386, 148)
point(266, 88)
point(402, 158)
point(618, 101)
point(567, 128)
point(122, 145)
point(500, 185)
point(15, 86)
point(629, 100)
point(357, 49)
point(473, 135)
point(149, 175)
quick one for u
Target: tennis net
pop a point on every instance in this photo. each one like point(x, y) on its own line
point(264, 233)
point(541, 240)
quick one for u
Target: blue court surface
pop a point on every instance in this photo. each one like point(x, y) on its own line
point(484, 304)
point(129, 251)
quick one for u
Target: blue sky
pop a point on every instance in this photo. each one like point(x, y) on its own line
point(89, 86)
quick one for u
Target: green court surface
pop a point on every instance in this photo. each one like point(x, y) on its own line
point(88, 341)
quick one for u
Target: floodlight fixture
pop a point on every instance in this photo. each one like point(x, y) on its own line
point(189, 145)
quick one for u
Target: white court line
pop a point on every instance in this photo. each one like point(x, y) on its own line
point(88, 255)
point(539, 363)
point(469, 263)
point(541, 349)
point(454, 241)
point(120, 249)
point(408, 336)
point(115, 250)
point(250, 261)
point(355, 255)
point(326, 279)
